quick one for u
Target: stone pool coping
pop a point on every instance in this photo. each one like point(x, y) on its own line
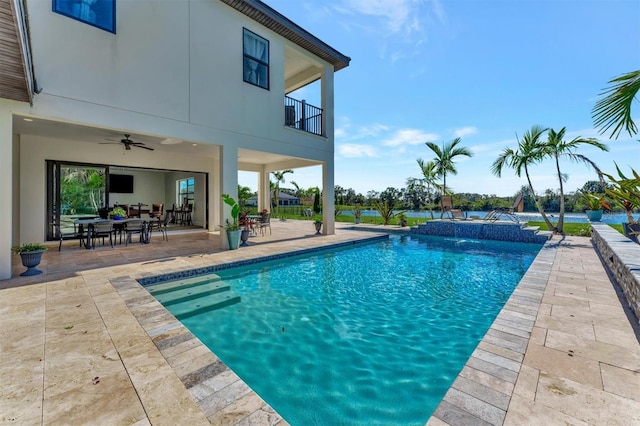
point(482, 391)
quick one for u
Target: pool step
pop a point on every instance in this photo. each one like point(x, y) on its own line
point(203, 304)
point(190, 292)
point(166, 287)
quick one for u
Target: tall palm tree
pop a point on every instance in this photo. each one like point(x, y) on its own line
point(429, 177)
point(557, 147)
point(529, 152)
point(279, 177)
point(615, 108)
point(444, 160)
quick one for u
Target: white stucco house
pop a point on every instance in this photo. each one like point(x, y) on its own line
point(200, 87)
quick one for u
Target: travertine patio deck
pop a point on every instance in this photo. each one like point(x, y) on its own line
point(80, 345)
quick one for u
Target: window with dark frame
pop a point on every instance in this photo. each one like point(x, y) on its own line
point(255, 51)
point(186, 191)
point(98, 13)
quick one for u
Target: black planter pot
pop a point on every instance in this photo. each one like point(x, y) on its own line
point(31, 259)
point(318, 227)
point(244, 236)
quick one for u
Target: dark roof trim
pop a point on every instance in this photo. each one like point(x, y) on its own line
point(278, 23)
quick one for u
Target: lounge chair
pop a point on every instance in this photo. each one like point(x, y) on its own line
point(457, 214)
point(446, 204)
point(447, 208)
point(507, 213)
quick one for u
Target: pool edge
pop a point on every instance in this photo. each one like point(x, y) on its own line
point(479, 398)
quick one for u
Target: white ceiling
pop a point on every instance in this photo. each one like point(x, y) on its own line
point(96, 135)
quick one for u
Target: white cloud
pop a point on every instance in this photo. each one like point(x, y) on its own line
point(345, 131)
point(396, 15)
point(355, 151)
point(465, 131)
point(397, 27)
point(409, 137)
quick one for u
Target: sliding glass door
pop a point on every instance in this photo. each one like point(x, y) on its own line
point(74, 190)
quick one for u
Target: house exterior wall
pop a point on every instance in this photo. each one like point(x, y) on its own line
point(178, 60)
point(173, 69)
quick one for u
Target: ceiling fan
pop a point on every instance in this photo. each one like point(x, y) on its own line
point(128, 143)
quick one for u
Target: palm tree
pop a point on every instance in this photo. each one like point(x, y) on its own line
point(279, 176)
point(529, 152)
point(615, 108)
point(444, 159)
point(429, 177)
point(244, 193)
point(301, 193)
point(557, 147)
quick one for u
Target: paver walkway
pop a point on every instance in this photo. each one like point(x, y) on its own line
point(564, 351)
point(582, 364)
point(72, 351)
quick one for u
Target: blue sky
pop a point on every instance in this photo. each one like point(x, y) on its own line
point(485, 71)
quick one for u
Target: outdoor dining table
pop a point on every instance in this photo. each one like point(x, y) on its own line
point(253, 218)
point(91, 222)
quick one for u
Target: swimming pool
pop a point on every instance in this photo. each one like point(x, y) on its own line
point(374, 334)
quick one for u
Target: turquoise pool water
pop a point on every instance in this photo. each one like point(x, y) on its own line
point(371, 335)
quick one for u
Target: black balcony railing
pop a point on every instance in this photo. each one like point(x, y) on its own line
point(301, 115)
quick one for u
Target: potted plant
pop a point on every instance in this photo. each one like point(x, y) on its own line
point(403, 219)
point(317, 222)
point(357, 212)
point(245, 224)
point(31, 255)
point(626, 191)
point(117, 213)
point(233, 228)
point(595, 203)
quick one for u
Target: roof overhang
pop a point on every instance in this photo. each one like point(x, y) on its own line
point(263, 14)
point(16, 70)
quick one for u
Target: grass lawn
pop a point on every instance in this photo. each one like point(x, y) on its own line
point(579, 229)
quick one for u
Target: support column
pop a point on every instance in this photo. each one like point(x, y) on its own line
point(328, 112)
point(6, 186)
point(328, 199)
point(264, 191)
point(214, 197)
point(228, 184)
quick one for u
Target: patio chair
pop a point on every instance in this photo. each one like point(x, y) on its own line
point(67, 234)
point(265, 222)
point(157, 209)
point(186, 219)
point(133, 227)
point(160, 225)
point(102, 230)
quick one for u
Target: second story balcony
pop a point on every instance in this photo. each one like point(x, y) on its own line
point(303, 116)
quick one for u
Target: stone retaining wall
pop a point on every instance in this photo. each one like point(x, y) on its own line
point(622, 258)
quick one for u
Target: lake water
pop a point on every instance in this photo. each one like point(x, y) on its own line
point(527, 216)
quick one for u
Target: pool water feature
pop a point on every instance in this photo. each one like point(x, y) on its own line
point(374, 334)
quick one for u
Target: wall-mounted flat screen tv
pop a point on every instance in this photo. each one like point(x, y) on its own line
point(121, 184)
